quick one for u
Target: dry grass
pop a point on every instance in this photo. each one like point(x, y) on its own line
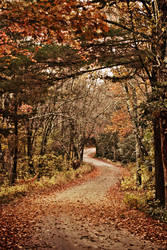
point(9, 193)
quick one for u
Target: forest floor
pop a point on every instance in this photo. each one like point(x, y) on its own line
point(86, 214)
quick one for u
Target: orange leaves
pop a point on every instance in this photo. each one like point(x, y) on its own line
point(61, 19)
point(120, 119)
point(18, 219)
point(5, 47)
point(121, 122)
point(3, 38)
point(15, 27)
point(45, 22)
point(25, 108)
point(137, 222)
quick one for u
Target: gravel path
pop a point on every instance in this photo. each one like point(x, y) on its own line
point(93, 191)
point(70, 220)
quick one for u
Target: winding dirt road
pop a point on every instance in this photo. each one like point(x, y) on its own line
point(73, 219)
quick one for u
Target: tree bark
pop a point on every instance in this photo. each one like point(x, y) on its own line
point(14, 168)
point(133, 113)
point(159, 172)
point(138, 163)
point(163, 131)
point(29, 149)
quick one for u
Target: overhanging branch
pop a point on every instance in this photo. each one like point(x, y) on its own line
point(76, 74)
point(128, 29)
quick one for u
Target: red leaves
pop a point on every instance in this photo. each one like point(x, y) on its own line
point(49, 21)
point(136, 221)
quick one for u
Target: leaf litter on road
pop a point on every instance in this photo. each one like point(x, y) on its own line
point(97, 223)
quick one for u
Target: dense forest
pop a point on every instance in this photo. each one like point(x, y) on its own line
point(79, 73)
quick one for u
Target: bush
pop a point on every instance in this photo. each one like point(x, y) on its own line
point(155, 210)
point(126, 148)
point(135, 201)
point(106, 146)
point(9, 193)
point(49, 164)
point(142, 198)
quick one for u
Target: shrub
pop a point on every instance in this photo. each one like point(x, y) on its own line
point(135, 201)
point(9, 193)
point(49, 164)
point(142, 198)
point(155, 210)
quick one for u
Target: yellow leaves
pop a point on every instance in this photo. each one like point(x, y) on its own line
point(99, 31)
point(163, 29)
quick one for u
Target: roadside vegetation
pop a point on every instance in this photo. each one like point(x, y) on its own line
point(135, 195)
point(58, 181)
point(142, 197)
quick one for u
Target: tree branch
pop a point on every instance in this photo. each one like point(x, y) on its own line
point(128, 29)
point(96, 69)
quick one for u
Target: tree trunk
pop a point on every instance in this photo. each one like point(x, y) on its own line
point(133, 113)
point(45, 138)
point(159, 172)
point(29, 149)
point(82, 149)
point(2, 165)
point(138, 163)
point(72, 148)
point(163, 131)
point(114, 153)
point(14, 168)
point(81, 154)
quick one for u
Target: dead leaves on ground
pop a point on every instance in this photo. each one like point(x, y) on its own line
point(137, 222)
point(18, 218)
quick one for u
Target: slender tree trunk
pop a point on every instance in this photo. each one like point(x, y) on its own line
point(45, 137)
point(29, 148)
point(138, 163)
point(81, 153)
point(73, 149)
point(2, 165)
point(14, 169)
point(159, 172)
point(114, 153)
point(133, 113)
point(43, 143)
point(163, 131)
point(82, 148)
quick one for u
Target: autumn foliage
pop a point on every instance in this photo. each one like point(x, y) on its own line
point(43, 22)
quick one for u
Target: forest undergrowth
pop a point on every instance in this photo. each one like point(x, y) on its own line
point(31, 186)
point(135, 208)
